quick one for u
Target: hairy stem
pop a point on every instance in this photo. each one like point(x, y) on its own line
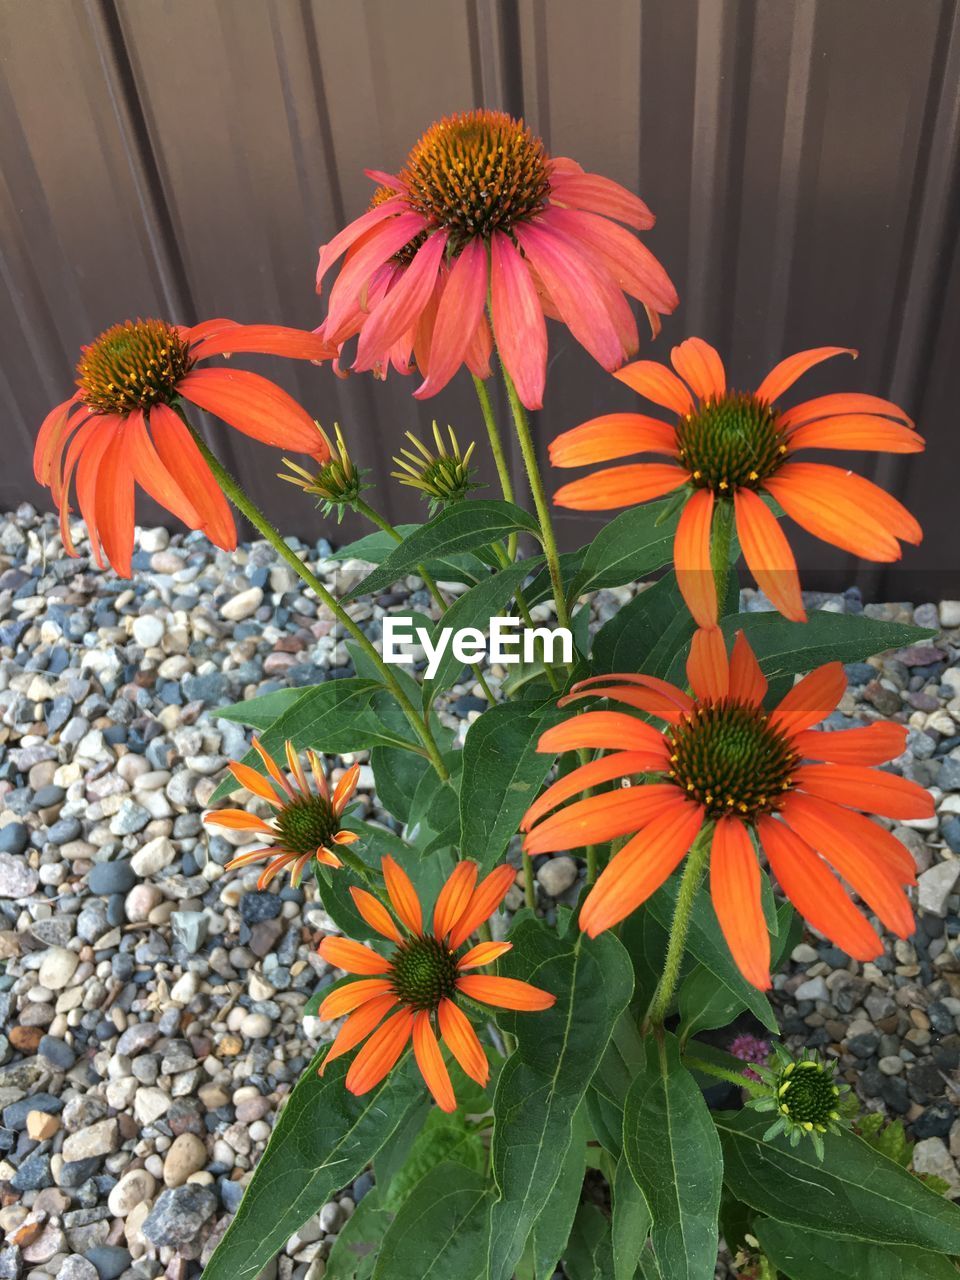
point(689, 884)
point(499, 456)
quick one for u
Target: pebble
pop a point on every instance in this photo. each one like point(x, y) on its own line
point(242, 605)
point(100, 1139)
point(17, 880)
point(111, 877)
point(179, 1215)
point(187, 1155)
point(556, 875)
point(57, 968)
point(935, 886)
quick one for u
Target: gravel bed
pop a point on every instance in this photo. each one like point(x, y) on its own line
point(151, 1005)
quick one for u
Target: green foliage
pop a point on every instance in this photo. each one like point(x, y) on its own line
point(440, 1230)
point(802, 1254)
point(631, 547)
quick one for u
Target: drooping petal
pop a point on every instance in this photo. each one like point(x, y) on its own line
point(482, 954)
point(398, 311)
point(768, 555)
point(748, 684)
point(735, 890)
point(50, 439)
point(505, 993)
point(609, 730)
point(692, 561)
point(152, 475)
point(620, 764)
point(603, 817)
point(351, 996)
point(630, 264)
point(700, 366)
point(453, 898)
point(621, 486)
point(872, 839)
point(380, 1053)
point(183, 460)
point(89, 475)
point(873, 744)
point(641, 867)
point(843, 509)
point(816, 892)
point(461, 1039)
point(601, 195)
point(857, 431)
point(431, 1063)
point(115, 502)
point(352, 957)
point(375, 913)
point(266, 339)
point(271, 767)
point(614, 435)
point(657, 383)
point(519, 327)
point(254, 405)
point(811, 699)
point(352, 232)
point(870, 790)
point(357, 1027)
point(707, 667)
point(403, 895)
point(459, 313)
point(783, 375)
point(367, 277)
point(273, 868)
point(484, 901)
point(840, 403)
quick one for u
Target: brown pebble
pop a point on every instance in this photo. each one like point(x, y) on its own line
point(26, 1039)
point(229, 1047)
point(41, 1126)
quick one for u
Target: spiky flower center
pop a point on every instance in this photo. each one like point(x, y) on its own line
point(307, 823)
point(132, 366)
point(476, 173)
point(424, 971)
point(807, 1094)
point(731, 443)
point(726, 756)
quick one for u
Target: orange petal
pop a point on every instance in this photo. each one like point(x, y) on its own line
point(245, 859)
point(346, 837)
point(872, 839)
point(748, 684)
point(874, 744)
point(357, 1027)
point(857, 431)
point(326, 857)
point(641, 867)
point(352, 957)
point(784, 375)
point(600, 818)
point(681, 699)
point(431, 1063)
point(694, 568)
point(841, 403)
point(870, 790)
point(375, 913)
point(185, 463)
point(816, 892)
point(735, 890)
point(296, 768)
point(843, 509)
point(461, 1039)
point(768, 555)
point(351, 996)
point(614, 435)
point(403, 896)
point(253, 781)
point(483, 953)
point(380, 1053)
point(621, 486)
point(487, 896)
point(265, 339)
point(505, 993)
point(620, 764)
point(701, 366)
point(603, 729)
point(657, 383)
point(237, 820)
point(344, 790)
point(707, 668)
point(273, 869)
point(271, 767)
point(453, 898)
point(319, 777)
point(252, 404)
point(652, 701)
point(811, 699)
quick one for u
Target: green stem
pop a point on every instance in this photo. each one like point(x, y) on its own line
point(721, 1073)
point(722, 534)
point(593, 862)
point(260, 522)
point(528, 449)
point(689, 884)
point(529, 885)
point(499, 456)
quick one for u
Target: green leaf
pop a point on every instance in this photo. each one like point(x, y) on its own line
point(802, 1254)
point(459, 528)
point(502, 773)
point(631, 1224)
point(551, 1230)
point(672, 1148)
point(354, 1252)
point(375, 548)
point(855, 1192)
point(623, 1059)
point(786, 648)
point(542, 1084)
point(630, 548)
point(475, 608)
point(705, 1003)
point(397, 774)
point(323, 1139)
point(440, 1230)
point(261, 712)
point(588, 1254)
point(443, 1137)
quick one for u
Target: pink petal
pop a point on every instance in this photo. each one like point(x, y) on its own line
point(400, 309)
point(459, 313)
point(352, 232)
point(352, 283)
point(600, 195)
point(630, 263)
point(518, 324)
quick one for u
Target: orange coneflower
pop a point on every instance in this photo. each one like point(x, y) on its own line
point(424, 976)
point(121, 427)
point(479, 205)
point(731, 447)
point(305, 824)
point(725, 768)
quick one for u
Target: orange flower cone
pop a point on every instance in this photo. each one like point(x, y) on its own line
point(419, 984)
point(725, 770)
point(732, 447)
point(121, 429)
point(305, 825)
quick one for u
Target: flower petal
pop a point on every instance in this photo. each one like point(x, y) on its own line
point(700, 366)
point(426, 1050)
point(403, 895)
point(505, 993)
point(483, 953)
point(352, 957)
point(630, 264)
point(252, 404)
point(519, 327)
point(873, 744)
point(692, 561)
point(652, 701)
point(153, 477)
point(857, 431)
point(351, 995)
point(620, 764)
point(601, 195)
point(237, 820)
point(266, 339)
point(610, 730)
point(748, 684)
point(357, 1027)
point(380, 1053)
point(840, 403)
point(253, 781)
point(461, 1039)
point(735, 890)
point(453, 898)
point(344, 790)
point(707, 667)
point(603, 817)
point(398, 311)
point(485, 900)
point(115, 502)
point(614, 435)
point(621, 486)
point(657, 383)
point(768, 555)
point(459, 313)
point(844, 509)
point(870, 790)
point(375, 913)
point(811, 699)
point(184, 461)
point(353, 231)
point(784, 375)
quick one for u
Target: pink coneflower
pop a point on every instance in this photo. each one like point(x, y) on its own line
point(750, 1048)
point(479, 207)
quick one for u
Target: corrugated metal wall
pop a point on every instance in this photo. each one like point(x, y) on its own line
point(184, 158)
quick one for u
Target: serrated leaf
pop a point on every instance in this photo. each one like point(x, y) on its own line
point(672, 1148)
point(440, 1230)
point(631, 547)
point(856, 1192)
point(542, 1084)
point(456, 529)
point(323, 1138)
point(502, 773)
point(802, 1254)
